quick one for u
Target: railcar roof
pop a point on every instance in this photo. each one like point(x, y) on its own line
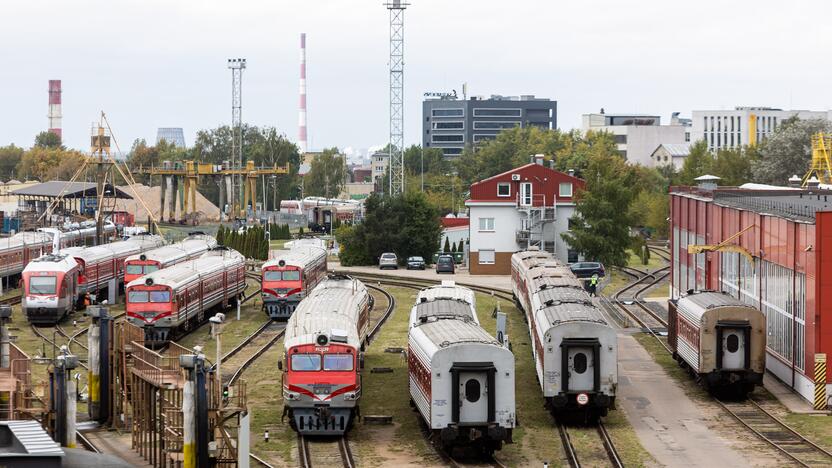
point(562, 295)
point(51, 262)
point(554, 281)
point(184, 272)
point(23, 238)
point(700, 302)
point(447, 308)
point(187, 246)
point(568, 312)
point(446, 291)
point(297, 256)
point(447, 333)
point(333, 304)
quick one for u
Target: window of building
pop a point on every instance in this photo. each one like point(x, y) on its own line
point(504, 190)
point(451, 151)
point(460, 112)
point(494, 125)
point(620, 139)
point(486, 224)
point(449, 138)
point(565, 189)
point(448, 125)
point(478, 137)
point(492, 112)
point(486, 257)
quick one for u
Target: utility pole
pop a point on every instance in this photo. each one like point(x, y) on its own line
point(236, 66)
point(396, 144)
point(422, 155)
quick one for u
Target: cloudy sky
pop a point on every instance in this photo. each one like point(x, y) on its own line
point(155, 63)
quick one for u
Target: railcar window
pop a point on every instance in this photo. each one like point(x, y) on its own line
point(579, 363)
point(472, 390)
point(159, 296)
point(137, 296)
point(733, 343)
point(338, 362)
point(42, 285)
point(306, 362)
point(150, 269)
point(291, 275)
point(134, 269)
point(271, 275)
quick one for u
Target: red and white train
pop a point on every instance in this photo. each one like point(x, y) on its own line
point(170, 302)
point(461, 379)
point(322, 358)
point(721, 340)
point(290, 276)
point(74, 272)
point(575, 350)
point(163, 257)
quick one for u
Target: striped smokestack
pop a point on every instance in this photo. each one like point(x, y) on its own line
point(55, 107)
point(302, 111)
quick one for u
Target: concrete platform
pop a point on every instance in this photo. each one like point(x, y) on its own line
point(461, 276)
point(787, 397)
point(113, 443)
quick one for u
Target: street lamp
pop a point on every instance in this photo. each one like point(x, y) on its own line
point(216, 332)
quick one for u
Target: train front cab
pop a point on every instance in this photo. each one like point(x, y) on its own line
point(136, 268)
point(282, 290)
point(321, 387)
point(151, 307)
point(46, 298)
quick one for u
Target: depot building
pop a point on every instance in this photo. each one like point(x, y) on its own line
point(770, 247)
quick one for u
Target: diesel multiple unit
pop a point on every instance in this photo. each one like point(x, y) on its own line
point(289, 276)
point(160, 258)
point(574, 348)
point(461, 379)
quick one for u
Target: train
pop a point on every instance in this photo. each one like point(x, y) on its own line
point(575, 349)
point(78, 271)
point(321, 212)
point(289, 276)
point(322, 360)
point(170, 302)
point(721, 340)
point(191, 247)
point(461, 380)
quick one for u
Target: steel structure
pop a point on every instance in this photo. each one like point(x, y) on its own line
point(302, 109)
point(821, 166)
point(396, 144)
point(236, 66)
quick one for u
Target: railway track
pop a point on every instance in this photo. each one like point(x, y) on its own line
point(571, 452)
point(324, 452)
point(51, 341)
point(776, 433)
point(264, 338)
point(391, 305)
point(417, 283)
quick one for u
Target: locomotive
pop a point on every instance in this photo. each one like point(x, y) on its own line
point(461, 380)
point(574, 348)
point(192, 247)
point(169, 302)
point(289, 276)
point(721, 340)
point(322, 358)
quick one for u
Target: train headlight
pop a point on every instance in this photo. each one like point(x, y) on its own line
point(351, 396)
point(290, 396)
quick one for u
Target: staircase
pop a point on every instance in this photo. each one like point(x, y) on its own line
point(534, 214)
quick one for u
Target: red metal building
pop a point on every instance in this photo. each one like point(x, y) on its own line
point(780, 260)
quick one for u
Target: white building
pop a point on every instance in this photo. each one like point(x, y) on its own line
point(378, 164)
point(671, 154)
point(743, 126)
point(638, 136)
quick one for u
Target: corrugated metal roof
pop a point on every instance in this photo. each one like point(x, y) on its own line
point(676, 149)
point(184, 272)
point(335, 303)
point(33, 438)
point(57, 188)
point(299, 256)
point(697, 303)
point(446, 333)
point(449, 308)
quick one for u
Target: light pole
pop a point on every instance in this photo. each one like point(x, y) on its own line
point(216, 332)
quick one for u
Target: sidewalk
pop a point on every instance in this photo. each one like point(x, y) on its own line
point(787, 397)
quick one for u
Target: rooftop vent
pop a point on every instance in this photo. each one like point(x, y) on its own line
point(708, 181)
point(794, 181)
point(813, 183)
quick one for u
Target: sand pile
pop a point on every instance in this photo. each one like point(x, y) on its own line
point(206, 210)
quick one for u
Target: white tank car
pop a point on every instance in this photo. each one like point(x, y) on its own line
point(289, 276)
point(462, 382)
point(50, 288)
point(720, 339)
point(322, 357)
point(574, 348)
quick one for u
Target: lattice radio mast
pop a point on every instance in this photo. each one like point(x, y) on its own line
point(237, 66)
point(396, 147)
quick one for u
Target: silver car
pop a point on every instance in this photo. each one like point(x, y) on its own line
point(388, 260)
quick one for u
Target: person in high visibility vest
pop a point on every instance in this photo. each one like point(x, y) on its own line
point(593, 284)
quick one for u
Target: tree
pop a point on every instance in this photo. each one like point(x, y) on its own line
point(734, 166)
point(326, 175)
point(49, 163)
point(48, 140)
point(434, 161)
point(447, 247)
point(698, 163)
point(787, 151)
point(600, 225)
point(10, 157)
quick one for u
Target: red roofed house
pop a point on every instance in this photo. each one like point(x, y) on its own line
point(527, 206)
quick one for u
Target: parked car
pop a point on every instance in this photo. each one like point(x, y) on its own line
point(388, 260)
point(445, 264)
point(587, 269)
point(415, 263)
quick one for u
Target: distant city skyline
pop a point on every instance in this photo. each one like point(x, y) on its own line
point(657, 59)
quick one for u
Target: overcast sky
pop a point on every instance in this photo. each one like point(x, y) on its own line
point(157, 63)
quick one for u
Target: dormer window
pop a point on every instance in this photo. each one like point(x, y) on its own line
point(504, 190)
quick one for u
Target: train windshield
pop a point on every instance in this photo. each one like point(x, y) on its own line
point(291, 275)
point(159, 296)
point(42, 284)
point(150, 269)
point(288, 275)
point(133, 269)
point(338, 362)
point(306, 362)
point(137, 296)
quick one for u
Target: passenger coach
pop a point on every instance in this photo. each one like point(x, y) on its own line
point(574, 348)
point(721, 340)
point(289, 276)
point(163, 257)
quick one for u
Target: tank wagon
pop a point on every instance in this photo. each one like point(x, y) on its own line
point(290, 276)
point(721, 340)
point(159, 258)
point(574, 348)
point(170, 302)
point(461, 379)
point(322, 358)
point(50, 288)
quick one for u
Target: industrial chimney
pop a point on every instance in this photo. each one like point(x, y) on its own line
point(55, 107)
point(302, 112)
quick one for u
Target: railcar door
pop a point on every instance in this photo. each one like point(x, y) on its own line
point(473, 397)
point(733, 348)
point(581, 368)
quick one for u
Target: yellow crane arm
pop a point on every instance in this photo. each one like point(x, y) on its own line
point(724, 246)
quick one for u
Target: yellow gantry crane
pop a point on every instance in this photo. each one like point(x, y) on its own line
point(821, 166)
point(724, 246)
point(189, 173)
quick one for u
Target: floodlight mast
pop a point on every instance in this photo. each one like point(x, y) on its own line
point(236, 66)
point(396, 143)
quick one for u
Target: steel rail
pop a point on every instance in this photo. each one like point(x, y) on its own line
point(304, 460)
point(568, 448)
point(391, 304)
point(248, 362)
point(346, 453)
point(86, 442)
point(260, 460)
point(609, 445)
point(48, 340)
